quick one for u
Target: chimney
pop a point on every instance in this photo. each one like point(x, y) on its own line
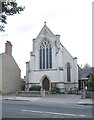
point(8, 48)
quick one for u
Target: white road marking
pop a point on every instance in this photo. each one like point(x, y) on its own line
point(52, 113)
point(23, 98)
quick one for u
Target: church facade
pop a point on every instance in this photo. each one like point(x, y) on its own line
point(51, 65)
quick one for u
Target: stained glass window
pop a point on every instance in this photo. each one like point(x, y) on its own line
point(68, 72)
point(45, 55)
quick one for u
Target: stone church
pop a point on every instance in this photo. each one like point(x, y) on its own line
point(51, 65)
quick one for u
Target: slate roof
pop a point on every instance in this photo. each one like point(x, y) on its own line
point(85, 71)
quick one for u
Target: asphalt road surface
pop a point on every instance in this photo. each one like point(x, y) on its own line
point(33, 109)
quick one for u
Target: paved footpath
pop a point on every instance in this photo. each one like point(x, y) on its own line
point(54, 98)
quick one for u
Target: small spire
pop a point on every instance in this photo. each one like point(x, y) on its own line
point(45, 23)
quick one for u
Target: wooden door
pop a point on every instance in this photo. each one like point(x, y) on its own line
point(45, 84)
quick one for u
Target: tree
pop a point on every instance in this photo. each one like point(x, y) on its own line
point(8, 8)
point(90, 82)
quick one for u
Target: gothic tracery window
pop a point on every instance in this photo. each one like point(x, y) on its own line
point(68, 72)
point(45, 55)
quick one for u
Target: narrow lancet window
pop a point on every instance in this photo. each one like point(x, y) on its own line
point(40, 58)
point(50, 51)
point(68, 72)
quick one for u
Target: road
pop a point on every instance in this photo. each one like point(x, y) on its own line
point(40, 109)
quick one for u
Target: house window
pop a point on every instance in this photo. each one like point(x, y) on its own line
point(68, 72)
point(45, 55)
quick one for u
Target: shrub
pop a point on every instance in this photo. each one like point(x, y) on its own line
point(90, 82)
point(35, 88)
point(55, 90)
point(51, 92)
point(62, 92)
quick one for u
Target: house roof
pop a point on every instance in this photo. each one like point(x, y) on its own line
point(4, 54)
point(86, 66)
point(85, 71)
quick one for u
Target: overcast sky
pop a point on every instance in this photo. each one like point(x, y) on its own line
point(72, 19)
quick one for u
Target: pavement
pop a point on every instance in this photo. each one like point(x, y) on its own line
point(56, 98)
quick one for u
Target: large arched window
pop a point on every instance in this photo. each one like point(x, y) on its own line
point(68, 72)
point(45, 55)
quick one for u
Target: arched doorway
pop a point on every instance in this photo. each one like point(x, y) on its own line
point(45, 84)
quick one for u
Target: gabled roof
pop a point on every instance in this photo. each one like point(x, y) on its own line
point(4, 54)
point(86, 66)
point(45, 31)
point(66, 50)
point(85, 71)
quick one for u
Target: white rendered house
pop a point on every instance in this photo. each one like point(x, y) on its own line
point(51, 65)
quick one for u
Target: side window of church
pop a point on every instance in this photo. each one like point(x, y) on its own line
point(68, 72)
point(45, 55)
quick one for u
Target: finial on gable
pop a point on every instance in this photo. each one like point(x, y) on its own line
point(45, 23)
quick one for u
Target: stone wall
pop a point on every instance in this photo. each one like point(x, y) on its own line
point(31, 93)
